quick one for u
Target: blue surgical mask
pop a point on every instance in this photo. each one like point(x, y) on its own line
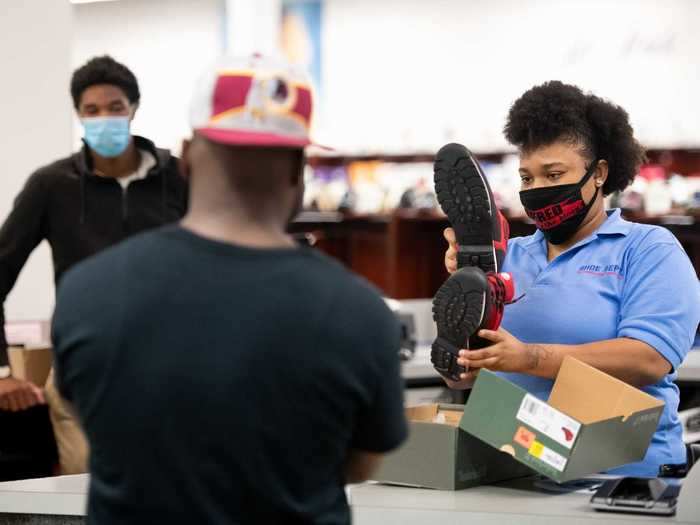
point(107, 136)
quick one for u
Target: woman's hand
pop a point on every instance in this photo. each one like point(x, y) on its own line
point(506, 354)
point(451, 253)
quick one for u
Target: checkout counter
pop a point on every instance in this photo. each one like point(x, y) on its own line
point(61, 501)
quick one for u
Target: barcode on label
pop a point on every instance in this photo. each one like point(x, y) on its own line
point(530, 406)
point(548, 420)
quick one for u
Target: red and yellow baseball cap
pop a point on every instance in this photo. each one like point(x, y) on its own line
point(253, 101)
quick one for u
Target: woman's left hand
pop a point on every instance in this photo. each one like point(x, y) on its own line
point(507, 354)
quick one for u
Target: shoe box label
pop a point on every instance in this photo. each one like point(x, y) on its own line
point(547, 455)
point(548, 420)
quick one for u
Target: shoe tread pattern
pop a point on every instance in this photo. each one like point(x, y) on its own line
point(464, 199)
point(457, 315)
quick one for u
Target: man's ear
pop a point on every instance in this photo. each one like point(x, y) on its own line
point(184, 161)
point(134, 109)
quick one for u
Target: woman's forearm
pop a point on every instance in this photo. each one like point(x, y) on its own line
point(631, 361)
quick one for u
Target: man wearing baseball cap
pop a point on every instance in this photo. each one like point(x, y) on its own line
point(223, 373)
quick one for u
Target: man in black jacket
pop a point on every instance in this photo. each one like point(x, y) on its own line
point(116, 186)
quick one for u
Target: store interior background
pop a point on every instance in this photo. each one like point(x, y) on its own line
point(398, 79)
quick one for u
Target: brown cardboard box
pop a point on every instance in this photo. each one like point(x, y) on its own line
point(31, 363)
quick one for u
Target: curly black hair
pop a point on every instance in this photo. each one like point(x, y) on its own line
point(555, 111)
point(104, 70)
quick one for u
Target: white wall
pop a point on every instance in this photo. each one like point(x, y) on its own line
point(35, 47)
point(413, 74)
point(166, 43)
point(252, 26)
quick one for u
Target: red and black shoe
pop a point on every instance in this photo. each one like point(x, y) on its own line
point(467, 302)
point(465, 196)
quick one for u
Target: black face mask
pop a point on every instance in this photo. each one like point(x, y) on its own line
point(559, 210)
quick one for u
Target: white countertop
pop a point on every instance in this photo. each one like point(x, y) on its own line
point(419, 367)
point(492, 505)
point(371, 504)
point(61, 495)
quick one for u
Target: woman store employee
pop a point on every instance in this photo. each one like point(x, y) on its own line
point(620, 296)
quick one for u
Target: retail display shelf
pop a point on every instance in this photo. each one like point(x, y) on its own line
point(685, 161)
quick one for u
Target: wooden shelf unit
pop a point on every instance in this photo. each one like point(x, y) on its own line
point(402, 253)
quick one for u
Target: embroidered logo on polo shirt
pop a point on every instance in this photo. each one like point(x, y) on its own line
point(614, 270)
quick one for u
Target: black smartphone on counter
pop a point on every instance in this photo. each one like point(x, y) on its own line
point(638, 496)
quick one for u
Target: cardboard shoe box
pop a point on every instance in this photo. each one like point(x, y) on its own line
point(592, 422)
point(439, 455)
point(31, 363)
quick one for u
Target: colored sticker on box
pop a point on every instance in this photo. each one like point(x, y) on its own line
point(536, 449)
point(524, 437)
point(548, 420)
point(548, 456)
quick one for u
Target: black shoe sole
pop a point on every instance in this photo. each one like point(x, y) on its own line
point(458, 310)
point(464, 196)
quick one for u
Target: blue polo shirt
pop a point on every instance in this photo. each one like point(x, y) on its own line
point(625, 280)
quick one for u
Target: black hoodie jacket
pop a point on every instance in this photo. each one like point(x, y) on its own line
point(80, 214)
